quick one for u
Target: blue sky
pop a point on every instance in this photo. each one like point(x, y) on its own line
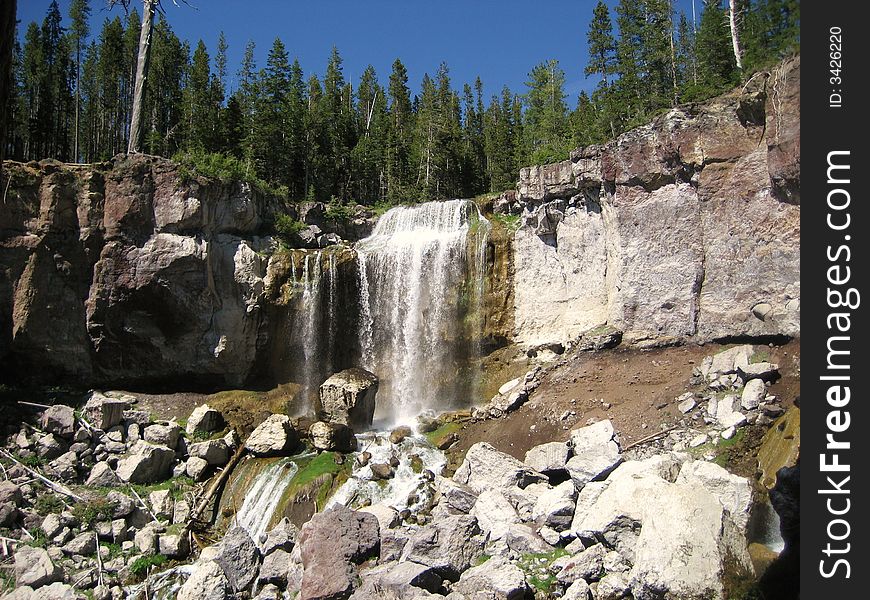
point(500, 40)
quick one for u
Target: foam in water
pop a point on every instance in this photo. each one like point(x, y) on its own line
point(418, 285)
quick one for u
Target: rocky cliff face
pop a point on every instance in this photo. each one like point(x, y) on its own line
point(130, 273)
point(686, 228)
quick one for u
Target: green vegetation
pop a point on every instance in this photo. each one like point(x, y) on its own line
point(536, 566)
point(375, 140)
point(508, 221)
point(94, 510)
point(442, 431)
point(142, 565)
point(480, 560)
point(48, 503)
point(177, 487)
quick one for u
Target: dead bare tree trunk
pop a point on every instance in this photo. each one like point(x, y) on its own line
point(735, 35)
point(136, 121)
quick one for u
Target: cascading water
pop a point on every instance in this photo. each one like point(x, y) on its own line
point(263, 497)
point(420, 293)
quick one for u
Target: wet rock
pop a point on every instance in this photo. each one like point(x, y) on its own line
point(239, 558)
point(104, 412)
point(59, 420)
point(207, 582)
point(485, 468)
point(348, 397)
point(272, 437)
point(204, 419)
point(398, 435)
point(381, 471)
point(147, 463)
point(497, 578)
point(215, 452)
point(332, 437)
point(548, 458)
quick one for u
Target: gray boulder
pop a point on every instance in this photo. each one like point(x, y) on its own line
point(207, 582)
point(555, 507)
point(163, 435)
point(59, 420)
point(34, 568)
point(348, 397)
point(332, 437)
point(273, 436)
point(753, 394)
point(196, 468)
point(102, 475)
point(595, 453)
point(495, 579)
point(83, 544)
point(495, 514)
point(448, 545)
point(215, 452)
point(548, 458)
point(104, 412)
point(204, 419)
point(281, 537)
point(239, 559)
point(485, 468)
point(147, 463)
point(274, 568)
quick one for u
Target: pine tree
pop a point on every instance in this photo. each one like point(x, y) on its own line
point(200, 111)
point(601, 45)
point(269, 140)
point(716, 67)
point(79, 12)
point(399, 135)
point(546, 114)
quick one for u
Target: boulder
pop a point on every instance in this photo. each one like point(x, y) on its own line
point(9, 514)
point(163, 435)
point(10, 493)
point(726, 362)
point(332, 437)
point(456, 496)
point(161, 503)
point(765, 371)
point(204, 419)
point(495, 514)
point(215, 452)
point(753, 394)
point(281, 537)
point(548, 458)
point(64, 466)
point(83, 544)
point(588, 565)
point(273, 436)
point(348, 397)
point(104, 412)
point(579, 590)
point(102, 475)
point(173, 545)
point(34, 568)
point(147, 463)
point(196, 468)
point(448, 545)
point(398, 577)
point(387, 516)
point(398, 435)
point(50, 446)
point(733, 492)
point(555, 507)
point(331, 543)
point(522, 539)
point(274, 568)
point(59, 420)
point(239, 558)
point(595, 453)
point(485, 468)
point(613, 586)
point(497, 579)
point(207, 582)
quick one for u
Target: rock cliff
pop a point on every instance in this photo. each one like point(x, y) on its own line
point(133, 273)
point(685, 228)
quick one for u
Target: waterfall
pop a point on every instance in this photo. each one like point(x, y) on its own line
point(263, 497)
point(421, 275)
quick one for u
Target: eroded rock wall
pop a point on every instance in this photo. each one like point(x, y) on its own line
point(131, 273)
point(688, 227)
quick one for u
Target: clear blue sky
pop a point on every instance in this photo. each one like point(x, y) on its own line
point(500, 40)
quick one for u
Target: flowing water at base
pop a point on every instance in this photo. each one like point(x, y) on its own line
point(263, 497)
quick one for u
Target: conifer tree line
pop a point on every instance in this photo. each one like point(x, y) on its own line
point(370, 140)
